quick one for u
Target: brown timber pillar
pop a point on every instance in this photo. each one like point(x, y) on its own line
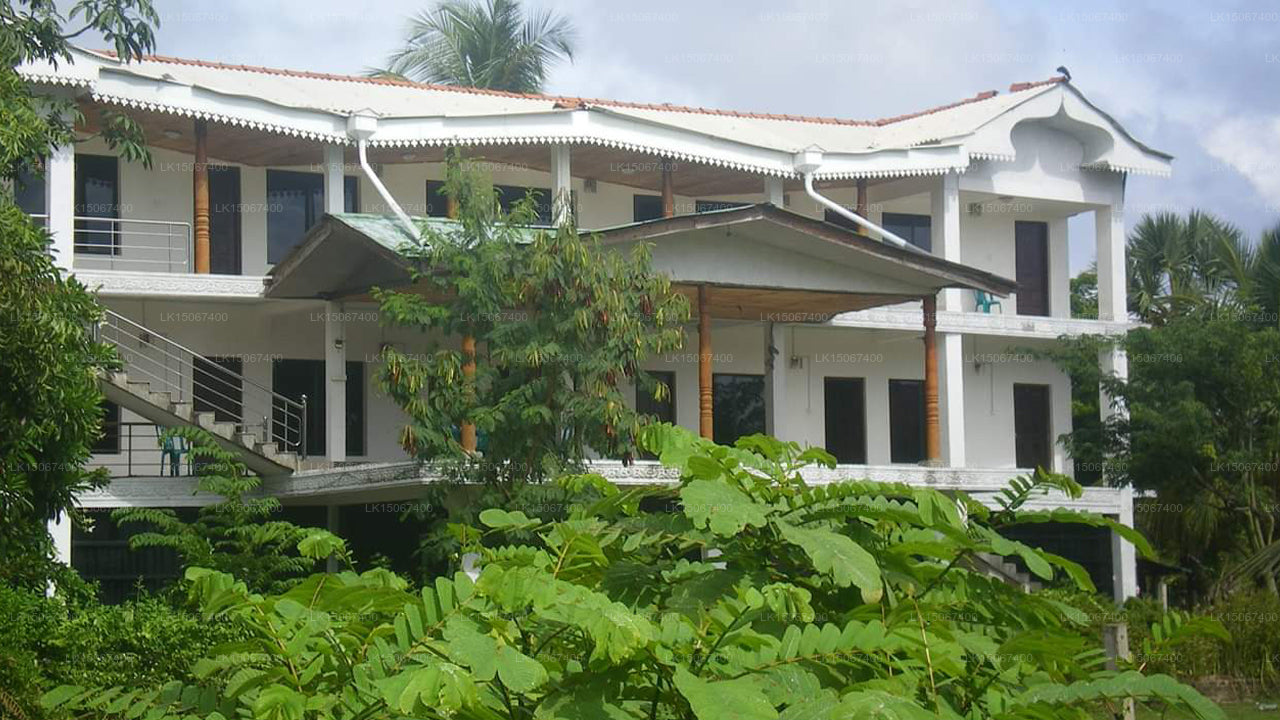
point(200, 196)
point(932, 430)
point(861, 207)
point(468, 430)
point(668, 193)
point(704, 364)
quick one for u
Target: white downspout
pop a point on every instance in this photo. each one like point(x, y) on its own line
point(361, 127)
point(807, 162)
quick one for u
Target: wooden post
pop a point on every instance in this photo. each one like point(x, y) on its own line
point(468, 430)
point(200, 190)
point(704, 364)
point(668, 193)
point(1115, 640)
point(932, 430)
point(861, 207)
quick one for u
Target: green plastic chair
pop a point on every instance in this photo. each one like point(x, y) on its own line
point(985, 301)
point(172, 449)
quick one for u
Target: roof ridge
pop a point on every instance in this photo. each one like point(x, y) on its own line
point(576, 102)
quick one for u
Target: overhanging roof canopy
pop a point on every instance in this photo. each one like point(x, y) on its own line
point(759, 261)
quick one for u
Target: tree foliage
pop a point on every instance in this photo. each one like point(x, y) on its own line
point(49, 401)
point(560, 324)
point(234, 535)
point(853, 599)
point(493, 44)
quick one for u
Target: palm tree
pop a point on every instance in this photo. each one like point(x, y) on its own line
point(1198, 265)
point(490, 44)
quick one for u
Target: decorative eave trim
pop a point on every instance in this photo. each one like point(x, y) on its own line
point(992, 156)
point(891, 173)
point(1105, 166)
point(224, 118)
point(56, 80)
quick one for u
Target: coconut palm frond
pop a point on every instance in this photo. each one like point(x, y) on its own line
point(492, 44)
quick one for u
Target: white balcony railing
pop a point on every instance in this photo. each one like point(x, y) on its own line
point(130, 245)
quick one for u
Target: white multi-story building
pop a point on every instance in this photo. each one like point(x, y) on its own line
point(236, 268)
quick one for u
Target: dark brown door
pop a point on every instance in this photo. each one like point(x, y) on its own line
point(845, 400)
point(1032, 442)
point(1032, 260)
point(224, 220)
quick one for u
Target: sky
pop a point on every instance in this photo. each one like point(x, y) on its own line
point(1198, 80)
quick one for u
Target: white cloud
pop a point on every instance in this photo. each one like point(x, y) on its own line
point(1250, 146)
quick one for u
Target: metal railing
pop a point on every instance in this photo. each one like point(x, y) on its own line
point(128, 244)
point(189, 377)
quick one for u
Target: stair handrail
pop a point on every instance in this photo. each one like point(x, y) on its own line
point(290, 408)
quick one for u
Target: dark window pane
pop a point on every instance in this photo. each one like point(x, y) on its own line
point(219, 388)
point(355, 408)
point(663, 411)
point(97, 196)
point(712, 205)
point(350, 194)
point(1032, 445)
point(293, 379)
point(738, 406)
point(109, 442)
point(224, 220)
point(295, 201)
point(646, 207)
point(508, 196)
point(906, 421)
point(1031, 261)
point(29, 193)
point(915, 229)
point(845, 401)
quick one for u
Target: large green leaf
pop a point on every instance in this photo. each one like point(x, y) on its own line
point(740, 699)
point(726, 510)
point(835, 555)
point(518, 671)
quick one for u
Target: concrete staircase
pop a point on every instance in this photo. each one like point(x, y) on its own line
point(998, 567)
point(159, 407)
point(161, 379)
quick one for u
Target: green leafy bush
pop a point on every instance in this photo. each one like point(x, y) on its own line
point(853, 599)
point(48, 642)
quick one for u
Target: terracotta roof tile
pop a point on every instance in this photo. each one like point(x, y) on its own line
point(565, 102)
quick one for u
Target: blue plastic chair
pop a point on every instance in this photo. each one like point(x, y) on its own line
point(172, 449)
point(984, 301)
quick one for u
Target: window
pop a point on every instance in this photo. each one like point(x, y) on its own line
point(845, 401)
point(295, 378)
point(646, 207)
point(738, 406)
point(97, 196)
point(664, 410)
point(915, 229)
point(1031, 261)
point(713, 205)
point(508, 196)
point(295, 202)
point(108, 443)
point(29, 193)
point(218, 388)
point(1032, 445)
point(906, 421)
point(355, 408)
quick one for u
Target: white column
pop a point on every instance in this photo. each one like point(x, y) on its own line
point(60, 199)
point(561, 186)
point(944, 231)
point(60, 530)
point(334, 188)
point(1124, 557)
point(335, 370)
point(1059, 269)
point(773, 191)
point(1112, 296)
point(951, 397)
point(777, 357)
